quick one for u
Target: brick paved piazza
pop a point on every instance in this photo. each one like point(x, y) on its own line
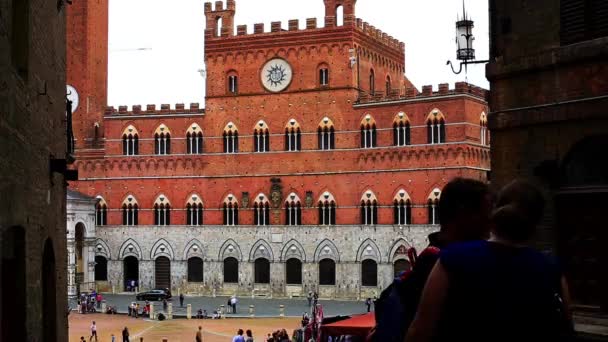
point(174, 330)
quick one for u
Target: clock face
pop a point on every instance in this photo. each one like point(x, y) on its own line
point(276, 75)
point(72, 95)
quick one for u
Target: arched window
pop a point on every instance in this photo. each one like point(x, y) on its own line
point(233, 83)
point(327, 272)
point(162, 211)
point(262, 271)
point(369, 273)
point(484, 134)
point(388, 86)
point(372, 82)
point(435, 124)
point(327, 209)
point(293, 272)
point(369, 208)
point(231, 138)
point(101, 212)
point(194, 140)
point(323, 75)
point(194, 211)
point(130, 142)
point(162, 141)
point(326, 134)
point(261, 137)
point(218, 26)
point(195, 270)
point(101, 268)
point(130, 211)
point(402, 208)
point(231, 270)
point(368, 132)
point(231, 211)
point(293, 136)
point(433, 206)
point(293, 210)
point(401, 130)
point(340, 15)
point(261, 211)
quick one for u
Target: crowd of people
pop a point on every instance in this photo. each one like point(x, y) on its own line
point(89, 302)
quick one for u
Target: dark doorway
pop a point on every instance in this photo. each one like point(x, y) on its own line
point(195, 270)
point(262, 271)
point(131, 272)
point(79, 251)
point(49, 293)
point(101, 268)
point(293, 271)
point(369, 273)
point(231, 270)
point(401, 265)
point(12, 280)
point(327, 272)
point(162, 272)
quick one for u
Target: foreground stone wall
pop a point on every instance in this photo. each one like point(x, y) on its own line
point(348, 246)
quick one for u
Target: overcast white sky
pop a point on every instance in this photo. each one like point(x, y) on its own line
point(173, 32)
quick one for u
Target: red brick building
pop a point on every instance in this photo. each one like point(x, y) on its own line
point(315, 126)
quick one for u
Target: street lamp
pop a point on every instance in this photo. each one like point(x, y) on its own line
point(464, 42)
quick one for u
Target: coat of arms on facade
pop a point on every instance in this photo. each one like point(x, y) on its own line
point(245, 201)
point(276, 192)
point(308, 199)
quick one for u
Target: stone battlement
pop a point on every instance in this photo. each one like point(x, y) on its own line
point(427, 91)
point(151, 109)
point(293, 25)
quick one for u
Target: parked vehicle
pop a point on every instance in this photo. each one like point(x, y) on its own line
point(154, 295)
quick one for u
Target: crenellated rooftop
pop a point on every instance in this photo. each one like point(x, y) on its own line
point(165, 109)
point(293, 25)
point(443, 89)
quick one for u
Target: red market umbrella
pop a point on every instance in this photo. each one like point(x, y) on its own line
point(356, 326)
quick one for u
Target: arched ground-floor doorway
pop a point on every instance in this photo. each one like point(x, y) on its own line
point(293, 272)
point(231, 270)
point(162, 273)
point(131, 273)
point(262, 271)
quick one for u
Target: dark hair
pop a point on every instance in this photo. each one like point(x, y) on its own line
point(519, 209)
point(240, 332)
point(461, 196)
point(249, 333)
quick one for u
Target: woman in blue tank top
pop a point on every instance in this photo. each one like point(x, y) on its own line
point(497, 290)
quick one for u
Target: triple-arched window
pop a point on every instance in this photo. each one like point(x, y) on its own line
point(261, 137)
point(402, 208)
point(101, 212)
point(435, 123)
point(231, 211)
point(293, 136)
point(162, 211)
point(130, 141)
point(194, 211)
point(368, 132)
point(369, 208)
point(327, 209)
point(401, 130)
point(293, 210)
point(231, 138)
point(194, 140)
point(130, 211)
point(162, 140)
point(326, 134)
point(261, 210)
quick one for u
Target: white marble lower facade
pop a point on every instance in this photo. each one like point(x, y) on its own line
point(164, 251)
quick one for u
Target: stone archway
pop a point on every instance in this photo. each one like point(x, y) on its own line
point(162, 272)
point(130, 273)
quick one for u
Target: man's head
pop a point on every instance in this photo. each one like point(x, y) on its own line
point(200, 328)
point(93, 322)
point(464, 210)
point(240, 332)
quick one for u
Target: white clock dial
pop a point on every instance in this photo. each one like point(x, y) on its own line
point(73, 96)
point(276, 75)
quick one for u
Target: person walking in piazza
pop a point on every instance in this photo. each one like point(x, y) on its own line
point(99, 299)
point(125, 335)
point(93, 332)
point(233, 302)
point(368, 303)
point(249, 337)
point(309, 297)
point(165, 305)
point(199, 334)
point(181, 300)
